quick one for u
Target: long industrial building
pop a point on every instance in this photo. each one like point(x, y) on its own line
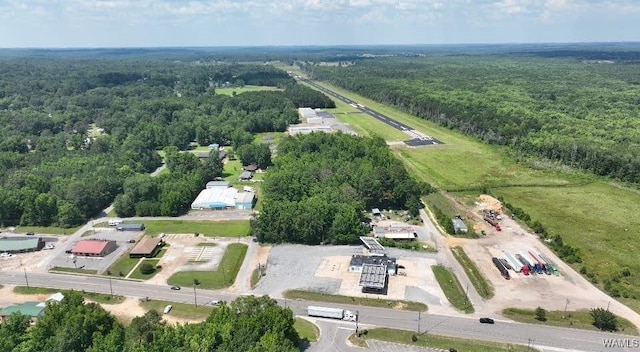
point(220, 195)
point(20, 245)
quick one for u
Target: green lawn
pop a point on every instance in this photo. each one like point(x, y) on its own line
point(306, 330)
point(223, 277)
point(74, 270)
point(574, 319)
point(451, 210)
point(239, 228)
point(484, 288)
point(96, 297)
point(358, 301)
point(136, 274)
point(179, 310)
point(437, 341)
point(256, 275)
point(452, 289)
point(122, 266)
point(229, 91)
point(51, 230)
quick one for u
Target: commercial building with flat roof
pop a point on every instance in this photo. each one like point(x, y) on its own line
point(218, 195)
point(372, 245)
point(358, 261)
point(130, 227)
point(94, 248)
point(146, 248)
point(30, 309)
point(21, 245)
point(373, 278)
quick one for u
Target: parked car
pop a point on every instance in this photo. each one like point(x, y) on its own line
point(175, 287)
point(50, 246)
point(30, 234)
point(132, 241)
point(167, 309)
point(6, 255)
point(215, 303)
point(486, 321)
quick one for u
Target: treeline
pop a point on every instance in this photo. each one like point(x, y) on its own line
point(253, 324)
point(305, 97)
point(586, 115)
point(322, 184)
point(74, 131)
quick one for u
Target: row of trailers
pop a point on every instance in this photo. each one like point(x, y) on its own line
point(527, 263)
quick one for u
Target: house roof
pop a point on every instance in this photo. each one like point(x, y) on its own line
point(373, 276)
point(28, 308)
point(146, 246)
point(15, 244)
point(56, 297)
point(372, 244)
point(212, 184)
point(251, 167)
point(457, 223)
point(91, 247)
point(246, 175)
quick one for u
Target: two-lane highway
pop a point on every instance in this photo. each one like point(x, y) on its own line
point(543, 337)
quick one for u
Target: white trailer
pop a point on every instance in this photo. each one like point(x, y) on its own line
point(528, 259)
point(333, 313)
point(513, 262)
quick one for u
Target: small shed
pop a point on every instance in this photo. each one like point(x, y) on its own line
point(459, 226)
point(245, 176)
point(130, 227)
point(251, 168)
point(376, 212)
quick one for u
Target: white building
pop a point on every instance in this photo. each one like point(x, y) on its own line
point(219, 195)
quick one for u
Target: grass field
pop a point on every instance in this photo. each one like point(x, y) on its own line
point(452, 289)
point(239, 228)
point(223, 277)
point(306, 330)
point(484, 288)
point(122, 266)
point(96, 297)
point(74, 270)
point(591, 213)
point(440, 342)
point(358, 301)
point(229, 91)
point(137, 274)
point(574, 319)
point(451, 210)
point(179, 310)
point(51, 230)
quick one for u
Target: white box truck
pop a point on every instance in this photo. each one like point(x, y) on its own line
point(333, 313)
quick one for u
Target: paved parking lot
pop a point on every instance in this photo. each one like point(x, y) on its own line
point(100, 264)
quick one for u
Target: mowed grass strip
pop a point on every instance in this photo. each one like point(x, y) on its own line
point(48, 230)
point(452, 289)
point(137, 274)
point(484, 288)
point(581, 319)
point(178, 310)
point(358, 301)
point(122, 266)
point(96, 297)
point(223, 277)
point(440, 342)
point(238, 228)
point(240, 90)
point(74, 270)
point(306, 329)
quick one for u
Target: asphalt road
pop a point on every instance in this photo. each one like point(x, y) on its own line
point(417, 141)
point(542, 337)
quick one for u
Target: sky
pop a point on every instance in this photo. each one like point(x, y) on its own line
point(162, 23)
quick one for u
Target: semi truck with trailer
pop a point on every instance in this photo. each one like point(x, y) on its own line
point(333, 313)
point(501, 268)
point(514, 263)
point(543, 265)
point(534, 264)
point(526, 267)
point(554, 267)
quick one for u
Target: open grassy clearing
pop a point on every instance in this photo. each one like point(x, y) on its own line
point(74, 270)
point(238, 228)
point(50, 230)
point(96, 297)
point(122, 266)
point(179, 310)
point(137, 274)
point(358, 301)
point(223, 277)
point(452, 289)
point(437, 341)
point(450, 209)
point(574, 319)
point(306, 330)
point(482, 285)
point(576, 205)
point(240, 90)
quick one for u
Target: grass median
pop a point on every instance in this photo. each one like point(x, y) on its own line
point(239, 228)
point(358, 301)
point(223, 277)
point(73, 270)
point(434, 341)
point(581, 319)
point(306, 330)
point(178, 310)
point(96, 297)
point(483, 287)
point(452, 289)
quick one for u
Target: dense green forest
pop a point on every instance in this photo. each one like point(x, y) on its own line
point(252, 324)
point(77, 131)
point(581, 112)
point(322, 183)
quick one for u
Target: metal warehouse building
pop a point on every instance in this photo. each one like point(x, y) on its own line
point(94, 248)
point(20, 245)
point(219, 195)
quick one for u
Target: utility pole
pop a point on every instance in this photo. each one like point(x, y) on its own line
point(195, 296)
point(608, 304)
point(110, 287)
point(419, 318)
point(25, 278)
point(566, 303)
point(357, 318)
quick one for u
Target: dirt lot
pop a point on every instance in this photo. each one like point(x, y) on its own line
point(548, 291)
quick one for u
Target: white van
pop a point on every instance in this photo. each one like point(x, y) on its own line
point(167, 309)
point(114, 222)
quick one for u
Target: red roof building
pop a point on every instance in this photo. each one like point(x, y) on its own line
point(94, 248)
